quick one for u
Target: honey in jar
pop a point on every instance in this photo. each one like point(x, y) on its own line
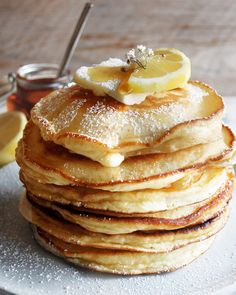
point(34, 81)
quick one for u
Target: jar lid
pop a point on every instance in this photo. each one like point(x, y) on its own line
point(43, 75)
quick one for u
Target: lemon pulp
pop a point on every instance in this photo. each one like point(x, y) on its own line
point(167, 69)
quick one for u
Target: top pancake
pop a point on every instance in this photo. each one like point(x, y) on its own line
point(107, 131)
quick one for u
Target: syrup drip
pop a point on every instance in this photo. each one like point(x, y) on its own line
point(104, 74)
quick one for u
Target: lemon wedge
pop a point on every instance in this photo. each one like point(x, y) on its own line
point(167, 69)
point(11, 130)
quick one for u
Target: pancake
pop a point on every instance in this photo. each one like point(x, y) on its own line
point(153, 242)
point(196, 186)
point(162, 220)
point(108, 131)
point(53, 164)
point(122, 262)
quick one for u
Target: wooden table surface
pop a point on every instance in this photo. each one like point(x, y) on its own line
point(38, 31)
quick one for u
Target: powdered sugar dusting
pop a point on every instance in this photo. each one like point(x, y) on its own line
point(196, 93)
point(113, 62)
point(110, 126)
point(68, 114)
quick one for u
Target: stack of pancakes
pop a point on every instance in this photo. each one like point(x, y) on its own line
point(127, 189)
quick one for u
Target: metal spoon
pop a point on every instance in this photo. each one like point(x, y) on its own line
point(75, 38)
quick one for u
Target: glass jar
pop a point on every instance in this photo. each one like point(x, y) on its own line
point(34, 81)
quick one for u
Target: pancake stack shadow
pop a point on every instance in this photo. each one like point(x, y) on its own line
point(127, 189)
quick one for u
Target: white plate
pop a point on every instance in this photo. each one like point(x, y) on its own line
point(25, 268)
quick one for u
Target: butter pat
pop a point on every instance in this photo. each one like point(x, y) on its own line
point(109, 84)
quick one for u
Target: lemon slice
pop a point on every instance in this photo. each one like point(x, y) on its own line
point(11, 130)
point(167, 69)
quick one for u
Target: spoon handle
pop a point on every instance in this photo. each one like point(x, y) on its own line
point(75, 38)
